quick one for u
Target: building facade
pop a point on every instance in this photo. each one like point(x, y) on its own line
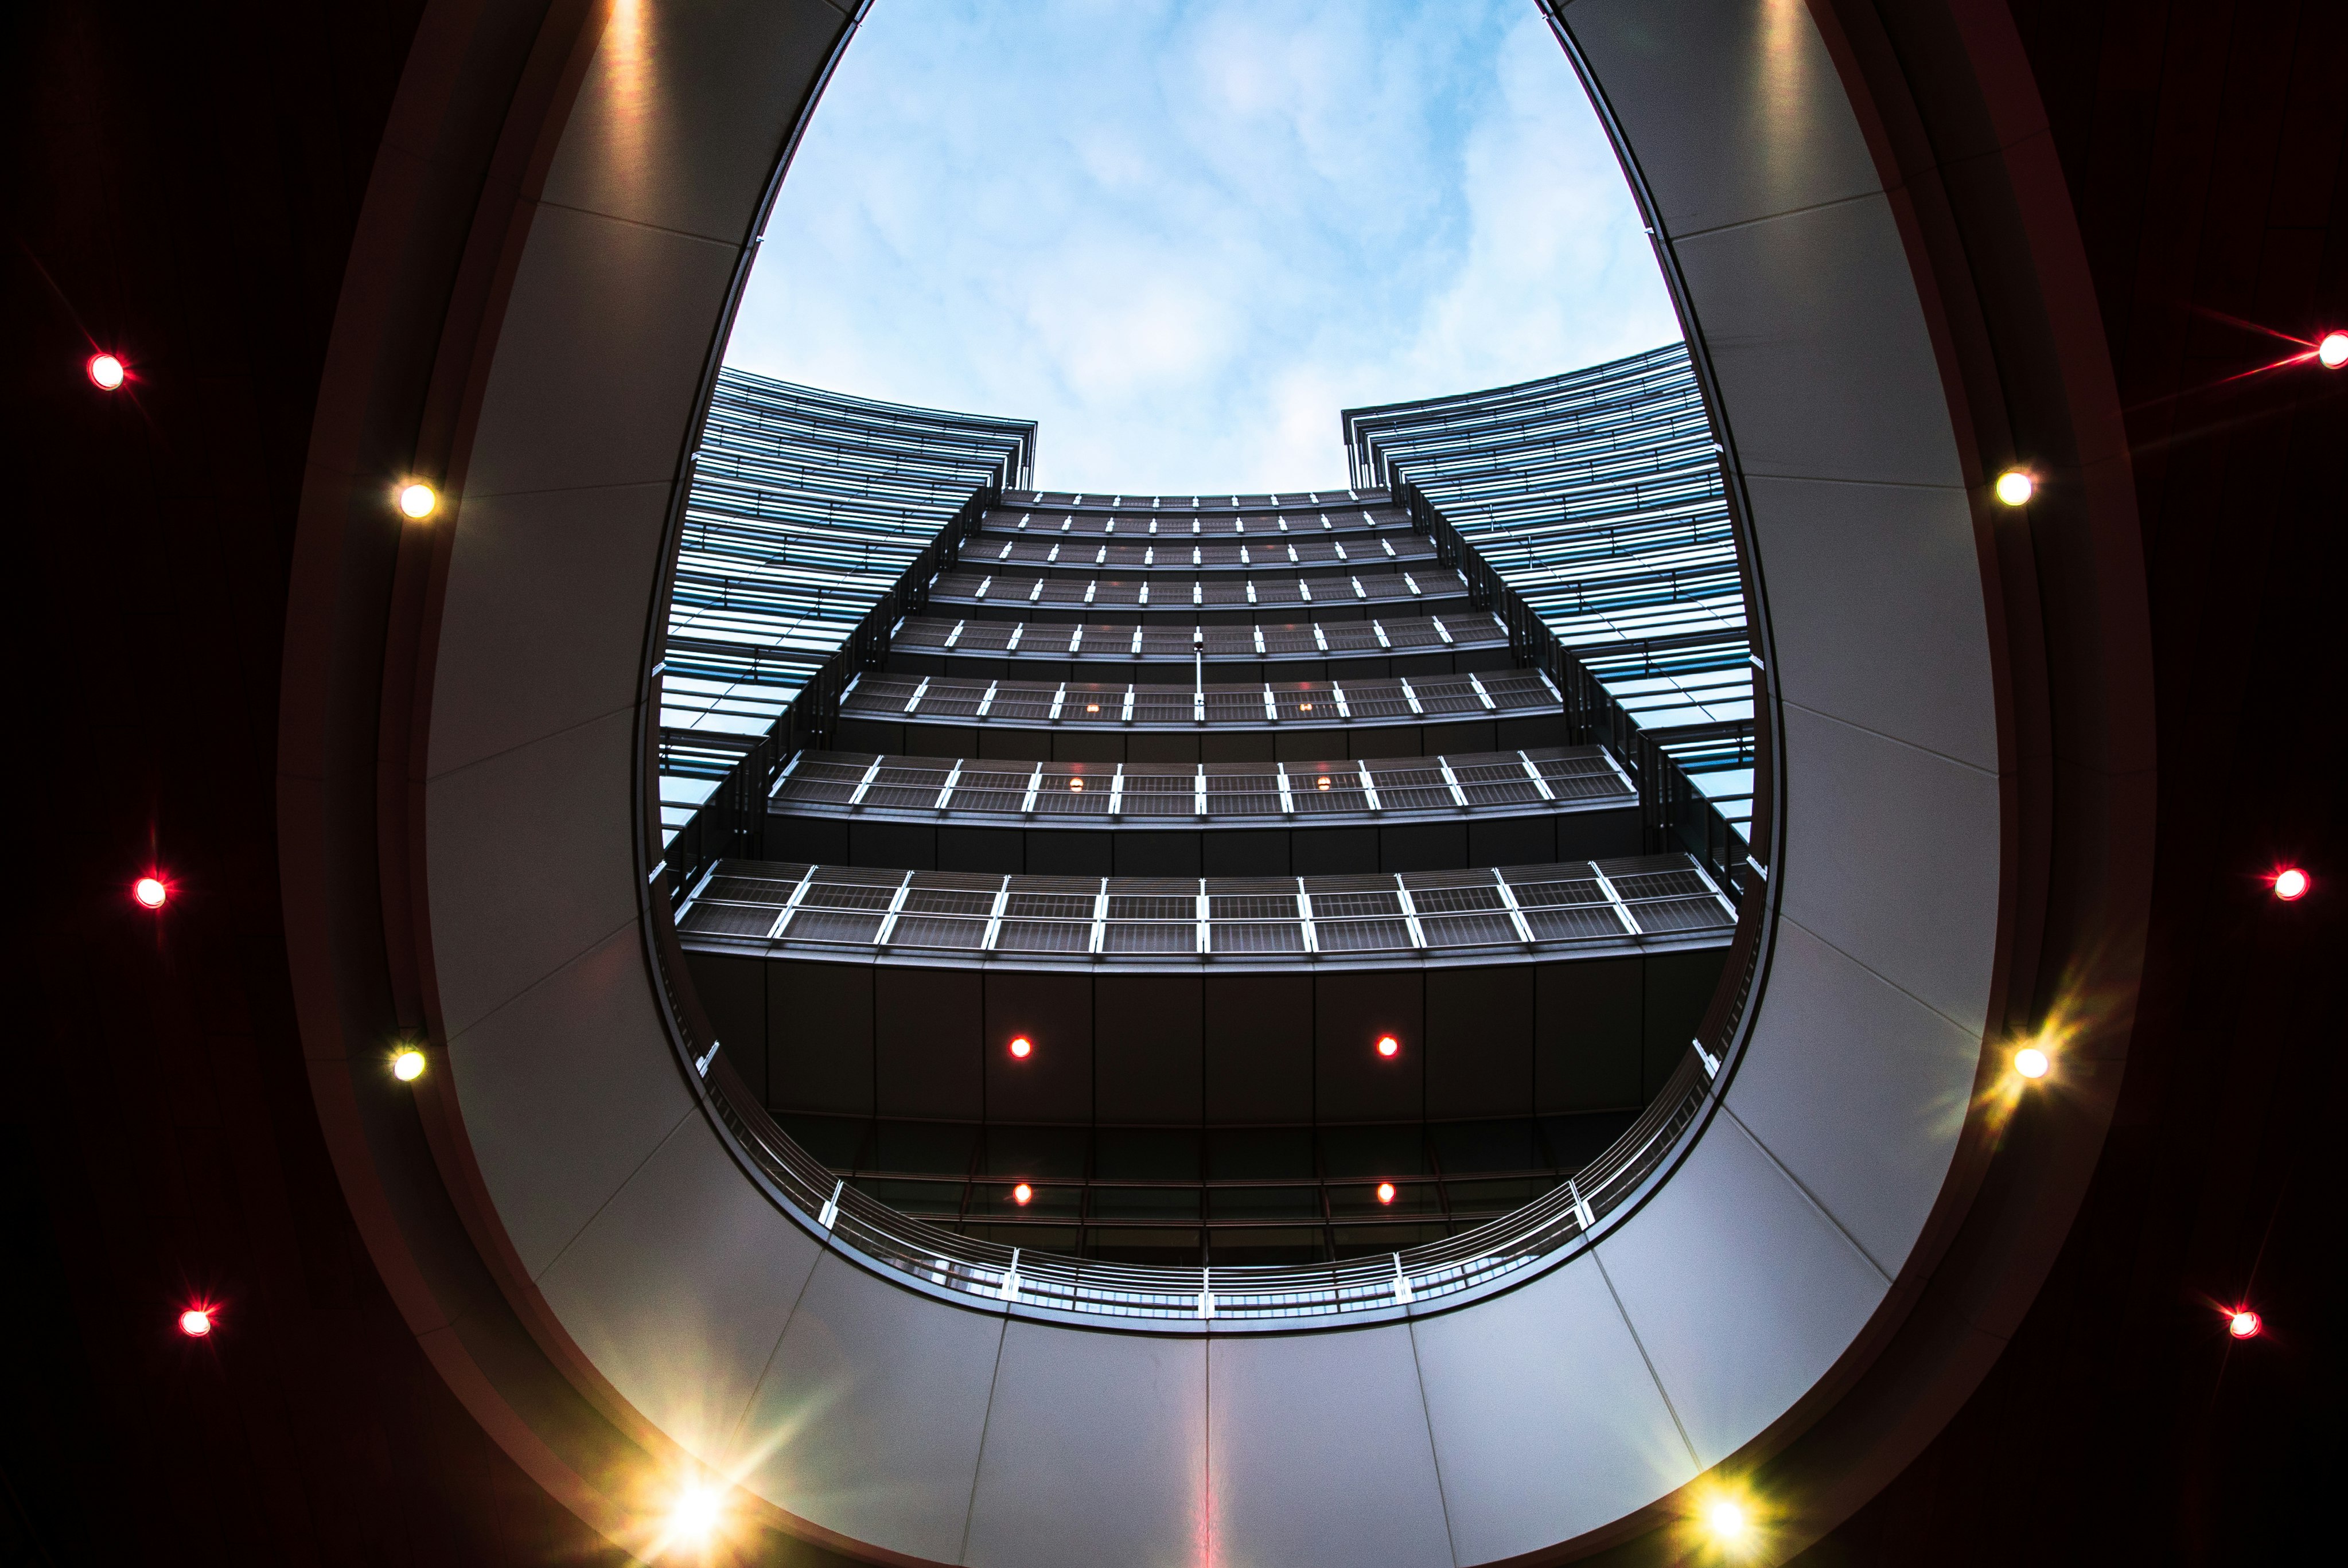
point(1598, 495)
point(805, 506)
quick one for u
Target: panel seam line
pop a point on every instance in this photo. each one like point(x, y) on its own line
point(1648, 1361)
point(1895, 740)
point(767, 1370)
point(1760, 217)
point(985, 1426)
point(1807, 1196)
point(503, 752)
point(625, 1182)
point(527, 991)
point(733, 245)
point(1968, 1031)
point(1427, 1413)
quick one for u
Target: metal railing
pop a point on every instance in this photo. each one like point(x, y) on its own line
point(1297, 793)
point(1186, 1298)
point(1673, 812)
point(1387, 917)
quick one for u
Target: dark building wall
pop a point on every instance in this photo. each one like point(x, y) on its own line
point(1514, 1039)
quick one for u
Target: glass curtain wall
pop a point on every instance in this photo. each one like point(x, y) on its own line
point(805, 506)
point(1598, 496)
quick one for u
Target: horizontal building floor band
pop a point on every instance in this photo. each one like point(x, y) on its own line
point(1145, 795)
point(1330, 705)
point(1433, 589)
point(961, 918)
point(1066, 558)
point(1199, 743)
point(1294, 847)
point(1292, 502)
point(1131, 642)
point(1211, 1075)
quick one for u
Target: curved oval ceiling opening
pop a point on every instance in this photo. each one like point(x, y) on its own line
point(1216, 253)
point(1181, 238)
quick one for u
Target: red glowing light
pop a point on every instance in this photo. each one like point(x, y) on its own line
point(106, 372)
point(2332, 350)
point(1020, 1047)
point(1021, 1194)
point(2290, 883)
point(1385, 1191)
point(2244, 1323)
point(150, 892)
point(196, 1322)
point(1388, 1045)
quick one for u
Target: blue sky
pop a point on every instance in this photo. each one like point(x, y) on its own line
point(1183, 236)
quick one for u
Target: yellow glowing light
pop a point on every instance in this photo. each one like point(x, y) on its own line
point(407, 1066)
point(1727, 1522)
point(2014, 486)
point(1078, 786)
point(2030, 1062)
point(418, 500)
point(694, 1517)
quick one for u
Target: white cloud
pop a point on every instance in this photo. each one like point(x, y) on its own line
point(1183, 236)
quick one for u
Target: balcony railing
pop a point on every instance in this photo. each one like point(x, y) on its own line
point(1674, 811)
point(1184, 1298)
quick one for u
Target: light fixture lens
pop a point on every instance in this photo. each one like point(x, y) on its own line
point(2332, 352)
point(106, 372)
point(418, 500)
point(2014, 486)
point(1021, 1194)
point(2029, 1061)
point(196, 1322)
point(1324, 782)
point(1388, 1045)
point(1385, 1191)
point(1726, 1522)
point(1076, 785)
point(2290, 883)
point(150, 892)
point(1022, 1046)
point(2244, 1323)
point(694, 1517)
point(407, 1066)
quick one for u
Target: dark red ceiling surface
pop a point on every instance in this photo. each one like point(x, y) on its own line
point(2203, 147)
point(182, 185)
